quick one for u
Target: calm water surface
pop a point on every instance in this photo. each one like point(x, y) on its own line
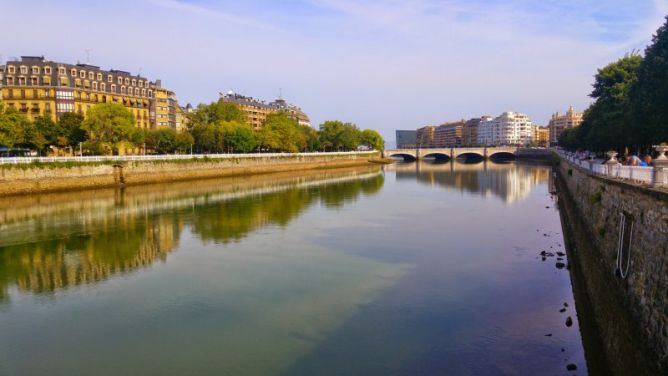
point(414, 269)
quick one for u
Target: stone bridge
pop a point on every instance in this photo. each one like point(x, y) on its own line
point(452, 153)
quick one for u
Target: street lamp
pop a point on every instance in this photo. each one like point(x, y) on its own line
point(80, 149)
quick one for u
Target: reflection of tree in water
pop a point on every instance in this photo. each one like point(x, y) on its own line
point(80, 253)
point(232, 220)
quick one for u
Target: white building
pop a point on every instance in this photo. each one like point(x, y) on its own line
point(509, 128)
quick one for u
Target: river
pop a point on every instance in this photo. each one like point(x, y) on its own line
point(405, 269)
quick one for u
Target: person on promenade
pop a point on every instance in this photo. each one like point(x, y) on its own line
point(647, 159)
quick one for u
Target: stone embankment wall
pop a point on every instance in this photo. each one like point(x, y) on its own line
point(36, 179)
point(631, 313)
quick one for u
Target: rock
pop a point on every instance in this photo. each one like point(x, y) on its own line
point(565, 304)
point(569, 322)
point(562, 310)
point(560, 265)
point(571, 367)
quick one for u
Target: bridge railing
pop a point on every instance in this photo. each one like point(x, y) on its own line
point(640, 174)
point(169, 157)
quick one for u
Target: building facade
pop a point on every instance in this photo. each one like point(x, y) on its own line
point(39, 87)
point(425, 136)
point(560, 122)
point(406, 139)
point(449, 134)
point(256, 111)
point(165, 109)
point(470, 132)
point(509, 128)
point(541, 136)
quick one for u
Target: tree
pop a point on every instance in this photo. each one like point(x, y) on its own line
point(649, 94)
point(372, 139)
point(337, 135)
point(184, 141)
point(17, 131)
point(238, 137)
point(162, 140)
point(205, 136)
point(52, 133)
point(9, 128)
point(279, 133)
point(606, 122)
point(310, 138)
point(216, 112)
point(108, 122)
point(71, 123)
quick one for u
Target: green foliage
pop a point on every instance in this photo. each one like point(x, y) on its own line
point(162, 140)
point(280, 133)
point(184, 141)
point(216, 112)
point(339, 136)
point(596, 198)
point(238, 137)
point(71, 123)
point(630, 109)
point(109, 123)
point(372, 139)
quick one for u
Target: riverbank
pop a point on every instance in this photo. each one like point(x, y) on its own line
point(628, 306)
point(67, 176)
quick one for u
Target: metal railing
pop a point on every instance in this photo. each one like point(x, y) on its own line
point(172, 157)
point(639, 174)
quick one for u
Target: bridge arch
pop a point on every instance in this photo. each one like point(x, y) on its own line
point(438, 156)
point(470, 157)
point(406, 157)
point(503, 155)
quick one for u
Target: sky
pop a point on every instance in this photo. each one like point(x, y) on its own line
point(381, 64)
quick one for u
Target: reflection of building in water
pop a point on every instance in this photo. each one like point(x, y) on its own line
point(50, 246)
point(511, 182)
point(121, 248)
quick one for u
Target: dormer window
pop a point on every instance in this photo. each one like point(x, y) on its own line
point(110, 78)
point(11, 69)
point(120, 80)
point(134, 82)
point(91, 75)
point(127, 81)
point(47, 70)
point(123, 89)
point(35, 70)
point(113, 88)
point(94, 85)
point(82, 74)
point(61, 71)
point(99, 76)
point(141, 83)
point(73, 72)
point(24, 69)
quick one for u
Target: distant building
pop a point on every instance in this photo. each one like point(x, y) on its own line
point(256, 111)
point(541, 136)
point(39, 87)
point(425, 136)
point(406, 139)
point(560, 122)
point(448, 134)
point(509, 128)
point(470, 132)
point(165, 109)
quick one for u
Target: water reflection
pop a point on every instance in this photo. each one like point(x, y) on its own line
point(57, 241)
point(511, 182)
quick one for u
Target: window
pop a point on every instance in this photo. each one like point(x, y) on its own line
point(10, 81)
point(47, 70)
point(24, 69)
point(77, 83)
point(110, 78)
point(73, 72)
point(99, 76)
point(61, 71)
point(34, 81)
point(64, 81)
point(91, 75)
point(143, 92)
point(150, 93)
point(22, 80)
point(62, 94)
point(141, 83)
point(134, 82)
point(46, 80)
point(127, 81)
point(94, 85)
point(82, 74)
point(123, 89)
point(87, 84)
point(35, 70)
point(137, 91)
point(103, 87)
point(47, 107)
point(113, 88)
point(35, 95)
point(65, 107)
point(120, 80)
point(11, 69)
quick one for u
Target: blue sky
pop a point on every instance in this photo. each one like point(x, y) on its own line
point(383, 64)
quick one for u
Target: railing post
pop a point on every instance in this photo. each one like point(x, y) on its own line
point(660, 174)
point(612, 162)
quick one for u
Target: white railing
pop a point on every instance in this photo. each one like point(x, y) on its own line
point(169, 157)
point(639, 174)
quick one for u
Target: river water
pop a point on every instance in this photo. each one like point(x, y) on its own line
point(406, 269)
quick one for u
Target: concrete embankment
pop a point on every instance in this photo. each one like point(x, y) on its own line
point(630, 306)
point(24, 179)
